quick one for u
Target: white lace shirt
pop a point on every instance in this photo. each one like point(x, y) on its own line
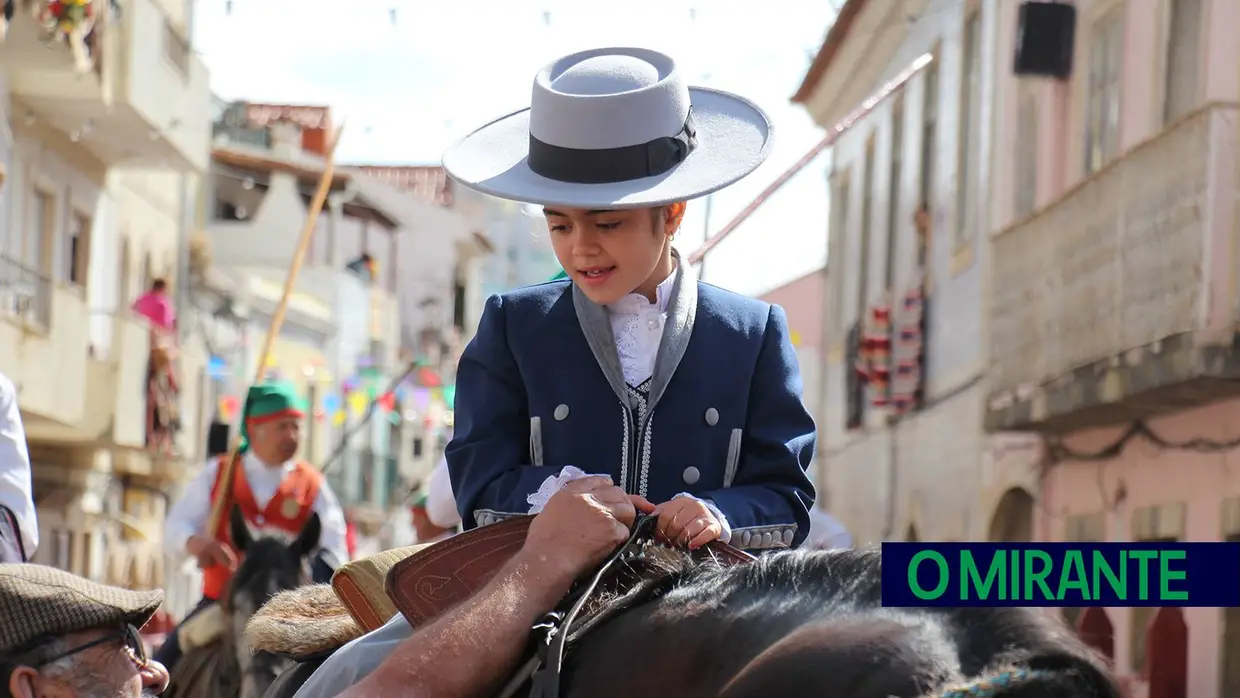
point(637, 325)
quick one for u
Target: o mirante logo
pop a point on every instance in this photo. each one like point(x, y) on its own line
point(1061, 574)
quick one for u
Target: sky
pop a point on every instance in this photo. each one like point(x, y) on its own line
point(409, 78)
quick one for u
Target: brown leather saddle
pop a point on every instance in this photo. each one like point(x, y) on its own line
point(431, 581)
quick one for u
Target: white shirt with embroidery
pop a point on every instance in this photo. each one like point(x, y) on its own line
point(188, 517)
point(440, 502)
point(16, 492)
point(637, 325)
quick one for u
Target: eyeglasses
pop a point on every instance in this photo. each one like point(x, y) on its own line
point(127, 634)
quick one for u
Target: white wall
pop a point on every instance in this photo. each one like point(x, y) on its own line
point(46, 160)
point(6, 162)
point(917, 467)
point(523, 254)
point(174, 102)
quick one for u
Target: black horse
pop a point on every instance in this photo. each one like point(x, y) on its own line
point(226, 668)
point(809, 623)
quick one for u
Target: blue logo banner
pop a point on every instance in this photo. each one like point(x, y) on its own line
point(1061, 574)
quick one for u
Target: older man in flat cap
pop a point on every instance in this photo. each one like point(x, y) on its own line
point(65, 636)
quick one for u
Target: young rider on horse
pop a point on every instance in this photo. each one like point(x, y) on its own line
point(683, 393)
point(272, 490)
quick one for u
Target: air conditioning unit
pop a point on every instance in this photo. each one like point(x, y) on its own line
point(1045, 39)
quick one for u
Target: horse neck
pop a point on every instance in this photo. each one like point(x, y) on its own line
point(258, 670)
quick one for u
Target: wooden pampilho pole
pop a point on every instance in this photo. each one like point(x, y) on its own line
point(277, 320)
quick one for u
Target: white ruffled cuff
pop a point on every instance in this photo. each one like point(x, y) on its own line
point(724, 537)
point(553, 484)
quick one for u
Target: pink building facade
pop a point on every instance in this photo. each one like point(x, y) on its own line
point(1113, 305)
point(802, 300)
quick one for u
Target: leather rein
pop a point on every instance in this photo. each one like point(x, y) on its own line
point(552, 630)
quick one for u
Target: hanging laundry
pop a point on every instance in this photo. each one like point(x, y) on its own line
point(876, 352)
point(909, 350)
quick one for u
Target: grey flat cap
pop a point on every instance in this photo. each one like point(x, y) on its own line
point(38, 601)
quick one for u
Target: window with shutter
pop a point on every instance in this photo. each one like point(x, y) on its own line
point(968, 141)
point(893, 193)
point(1106, 56)
point(838, 249)
point(1181, 79)
point(867, 221)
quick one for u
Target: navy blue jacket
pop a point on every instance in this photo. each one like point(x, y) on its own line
point(540, 387)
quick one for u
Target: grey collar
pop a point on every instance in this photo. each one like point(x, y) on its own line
point(596, 326)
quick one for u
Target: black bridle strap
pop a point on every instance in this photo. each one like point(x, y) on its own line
point(546, 664)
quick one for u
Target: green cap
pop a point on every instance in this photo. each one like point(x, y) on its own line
point(267, 401)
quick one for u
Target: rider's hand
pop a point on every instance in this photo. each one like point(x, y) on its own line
point(211, 552)
point(581, 524)
point(687, 521)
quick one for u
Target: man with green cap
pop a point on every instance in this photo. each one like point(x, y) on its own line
point(272, 489)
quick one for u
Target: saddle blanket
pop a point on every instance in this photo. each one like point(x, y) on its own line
point(203, 629)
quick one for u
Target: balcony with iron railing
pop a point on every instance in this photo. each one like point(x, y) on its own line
point(1120, 299)
point(25, 294)
point(116, 403)
point(44, 345)
point(126, 85)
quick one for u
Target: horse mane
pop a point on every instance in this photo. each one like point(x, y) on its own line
point(812, 623)
point(269, 564)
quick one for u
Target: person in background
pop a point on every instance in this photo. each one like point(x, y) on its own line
point(271, 487)
point(155, 305)
point(161, 380)
point(426, 531)
point(62, 636)
point(19, 529)
point(364, 266)
point(350, 539)
point(434, 513)
point(440, 502)
point(826, 532)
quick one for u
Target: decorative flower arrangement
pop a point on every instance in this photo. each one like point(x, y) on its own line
point(71, 21)
point(63, 16)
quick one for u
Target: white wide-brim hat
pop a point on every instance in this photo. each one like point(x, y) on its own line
point(613, 128)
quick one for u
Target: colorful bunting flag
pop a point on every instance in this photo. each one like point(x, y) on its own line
point(357, 403)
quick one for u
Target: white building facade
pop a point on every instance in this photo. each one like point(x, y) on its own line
point(901, 425)
point(98, 162)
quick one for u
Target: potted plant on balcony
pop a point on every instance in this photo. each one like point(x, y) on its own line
point(199, 256)
point(71, 21)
